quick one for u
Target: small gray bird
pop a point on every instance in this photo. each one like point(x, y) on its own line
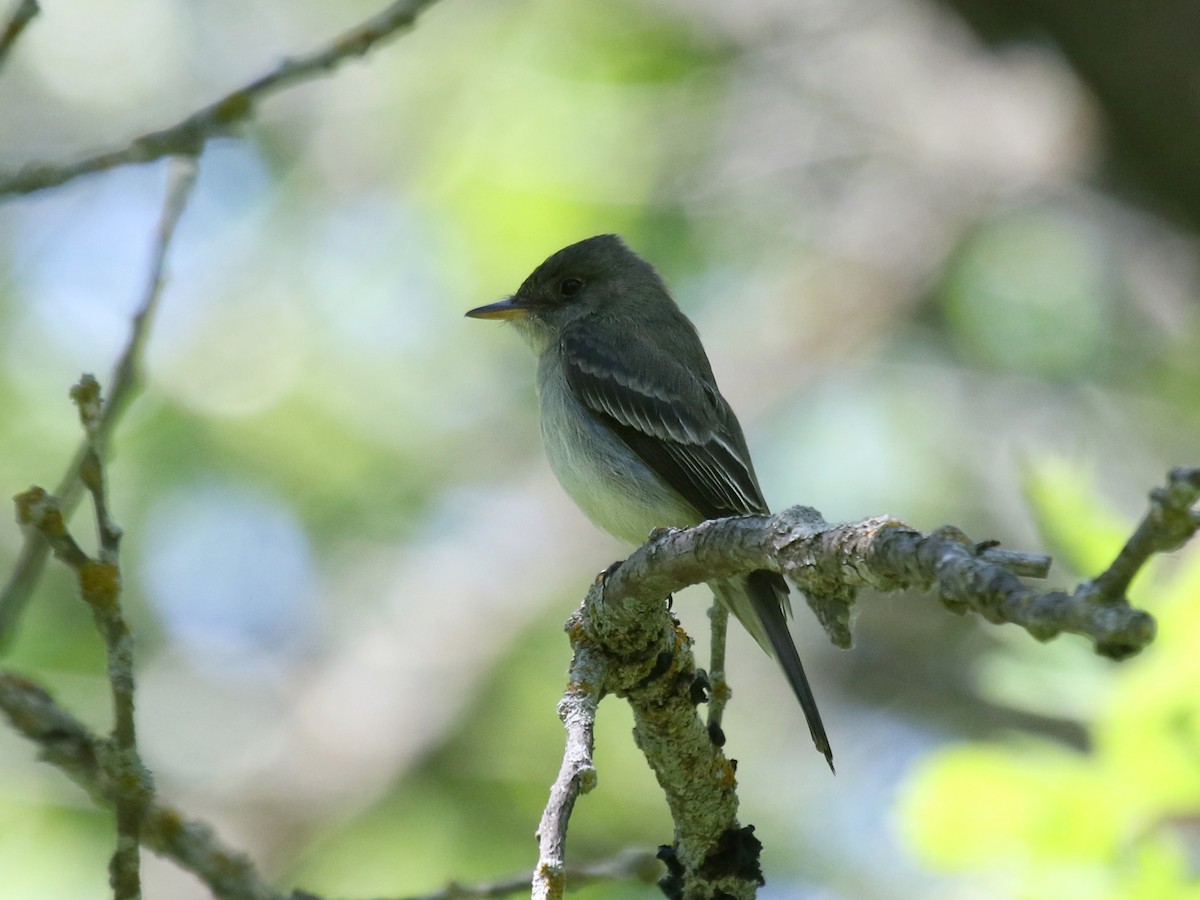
point(634, 426)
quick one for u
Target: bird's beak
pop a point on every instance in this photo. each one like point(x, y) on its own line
point(509, 308)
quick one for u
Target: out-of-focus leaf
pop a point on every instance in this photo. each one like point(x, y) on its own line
point(1032, 293)
point(1075, 521)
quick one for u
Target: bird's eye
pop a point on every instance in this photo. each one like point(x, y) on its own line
point(569, 286)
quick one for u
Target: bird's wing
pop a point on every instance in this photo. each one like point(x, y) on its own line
point(676, 421)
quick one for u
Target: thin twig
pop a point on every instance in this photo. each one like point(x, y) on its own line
point(125, 380)
point(1169, 523)
point(86, 395)
point(577, 775)
point(188, 136)
point(631, 866)
point(24, 13)
point(1026, 565)
point(100, 587)
point(718, 686)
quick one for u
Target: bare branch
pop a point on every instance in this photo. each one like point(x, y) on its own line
point(24, 13)
point(718, 686)
point(86, 395)
point(1170, 522)
point(1027, 565)
point(42, 513)
point(189, 136)
point(128, 371)
point(125, 380)
point(100, 588)
point(576, 776)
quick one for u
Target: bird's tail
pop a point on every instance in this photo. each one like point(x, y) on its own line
point(760, 602)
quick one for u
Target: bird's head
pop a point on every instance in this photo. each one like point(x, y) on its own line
point(599, 276)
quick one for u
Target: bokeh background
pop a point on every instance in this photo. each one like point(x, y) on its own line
point(944, 261)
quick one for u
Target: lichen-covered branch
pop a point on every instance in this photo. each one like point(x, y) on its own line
point(125, 380)
point(831, 562)
point(642, 655)
point(188, 137)
point(625, 628)
point(100, 587)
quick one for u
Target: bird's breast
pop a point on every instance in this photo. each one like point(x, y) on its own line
point(607, 480)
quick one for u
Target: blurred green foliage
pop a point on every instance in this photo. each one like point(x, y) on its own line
point(1031, 293)
point(1030, 819)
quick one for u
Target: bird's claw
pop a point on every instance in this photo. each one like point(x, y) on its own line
point(608, 573)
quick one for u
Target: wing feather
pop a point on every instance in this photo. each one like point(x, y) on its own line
point(672, 418)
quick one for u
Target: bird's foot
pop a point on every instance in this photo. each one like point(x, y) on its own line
point(608, 573)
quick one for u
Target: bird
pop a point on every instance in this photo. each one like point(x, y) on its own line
point(634, 426)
